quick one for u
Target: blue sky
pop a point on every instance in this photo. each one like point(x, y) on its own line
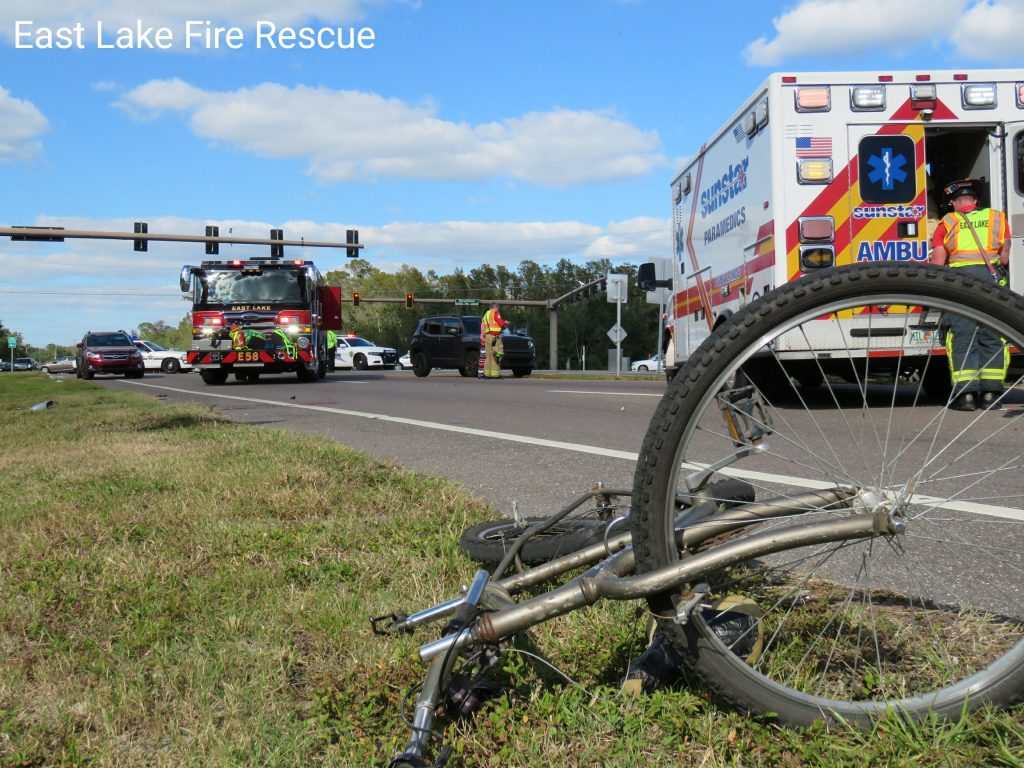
point(471, 131)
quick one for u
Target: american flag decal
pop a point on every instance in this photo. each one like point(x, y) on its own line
point(814, 146)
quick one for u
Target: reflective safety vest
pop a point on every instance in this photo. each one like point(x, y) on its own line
point(490, 322)
point(332, 339)
point(992, 231)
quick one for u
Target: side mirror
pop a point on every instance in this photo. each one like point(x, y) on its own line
point(646, 277)
point(79, 345)
point(185, 279)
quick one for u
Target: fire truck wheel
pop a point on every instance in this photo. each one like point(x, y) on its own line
point(214, 376)
point(170, 365)
point(304, 374)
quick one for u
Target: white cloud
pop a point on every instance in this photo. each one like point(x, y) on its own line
point(353, 135)
point(21, 125)
point(821, 27)
point(991, 31)
point(173, 13)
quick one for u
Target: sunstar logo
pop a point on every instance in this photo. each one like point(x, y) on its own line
point(724, 189)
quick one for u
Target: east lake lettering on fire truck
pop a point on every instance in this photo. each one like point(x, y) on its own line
point(819, 170)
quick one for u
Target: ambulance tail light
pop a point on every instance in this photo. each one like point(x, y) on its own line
point(867, 98)
point(1020, 95)
point(816, 98)
point(979, 96)
point(816, 257)
point(817, 229)
point(923, 96)
point(814, 170)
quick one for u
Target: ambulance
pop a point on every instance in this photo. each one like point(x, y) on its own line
point(820, 170)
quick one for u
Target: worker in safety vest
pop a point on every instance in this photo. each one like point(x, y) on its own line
point(332, 345)
point(977, 241)
point(491, 326)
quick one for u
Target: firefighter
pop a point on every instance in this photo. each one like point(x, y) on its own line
point(332, 345)
point(491, 326)
point(977, 241)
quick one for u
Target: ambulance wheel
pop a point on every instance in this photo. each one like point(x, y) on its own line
point(883, 558)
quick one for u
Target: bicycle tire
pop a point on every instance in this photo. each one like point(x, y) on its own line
point(927, 620)
point(488, 542)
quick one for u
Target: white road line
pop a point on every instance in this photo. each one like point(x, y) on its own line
point(744, 474)
point(615, 394)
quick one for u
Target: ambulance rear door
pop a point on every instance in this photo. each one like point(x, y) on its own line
point(1014, 203)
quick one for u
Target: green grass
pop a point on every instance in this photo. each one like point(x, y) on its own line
point(177, 590)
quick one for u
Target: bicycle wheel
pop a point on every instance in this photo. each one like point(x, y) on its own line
point(929, 618)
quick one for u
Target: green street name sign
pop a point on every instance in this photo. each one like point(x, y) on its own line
point(467, 302)
point(12, 342)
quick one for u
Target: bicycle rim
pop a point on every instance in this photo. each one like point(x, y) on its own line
point(923, 620)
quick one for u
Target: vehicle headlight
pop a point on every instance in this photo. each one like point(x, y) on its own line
point(303, 342)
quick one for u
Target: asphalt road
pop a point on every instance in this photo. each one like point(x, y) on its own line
point(529, 444)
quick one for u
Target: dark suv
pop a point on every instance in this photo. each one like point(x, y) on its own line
point(453, 341)
point(108, 352)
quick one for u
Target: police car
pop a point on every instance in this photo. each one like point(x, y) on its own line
point(360, 354)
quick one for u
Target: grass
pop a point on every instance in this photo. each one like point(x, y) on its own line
point(178, 590)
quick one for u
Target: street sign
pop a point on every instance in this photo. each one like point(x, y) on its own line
point(617, 333)
point(467, 302)
point(12, 342)
point(618, 293)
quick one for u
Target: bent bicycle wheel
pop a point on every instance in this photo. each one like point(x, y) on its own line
point(925, 611)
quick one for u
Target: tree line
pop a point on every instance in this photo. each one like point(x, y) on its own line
point(582, 325)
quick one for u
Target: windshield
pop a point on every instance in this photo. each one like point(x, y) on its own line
point(357, 342)
point(109, 340)
point(232, 287)
point(156, 347)
point(472, 325)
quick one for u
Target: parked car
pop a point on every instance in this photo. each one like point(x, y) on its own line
point(650, 364)
point(5, 365)
point(60, 365)
point(108, 352)
point(354, 352)
point(159, 358)
point(25, 364)
point(404, 362)
point(453, 341)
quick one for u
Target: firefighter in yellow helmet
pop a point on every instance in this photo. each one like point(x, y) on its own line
point(491, 326)
point(976, 241)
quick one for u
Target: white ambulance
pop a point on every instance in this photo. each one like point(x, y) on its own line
point(825, 169)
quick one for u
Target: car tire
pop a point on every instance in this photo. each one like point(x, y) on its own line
point(359, 362)
point(45, 369)
point(470, 364)
point(521, 370)
point(170, 365)
point(641, 369)
point(419, 365)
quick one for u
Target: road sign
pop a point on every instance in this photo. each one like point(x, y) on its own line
point(618, 293)
point(617, 333)
point(467, 302)
point(12, 342)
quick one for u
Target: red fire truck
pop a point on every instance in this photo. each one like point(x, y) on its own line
point(260, 315)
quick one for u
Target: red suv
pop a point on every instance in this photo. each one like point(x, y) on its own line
point(108, 352)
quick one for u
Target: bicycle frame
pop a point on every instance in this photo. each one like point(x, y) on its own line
point(487, 614)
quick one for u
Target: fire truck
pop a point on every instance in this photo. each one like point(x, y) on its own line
point(819, 170)
point(261, 315)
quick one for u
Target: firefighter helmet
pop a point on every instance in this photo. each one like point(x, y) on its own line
point(955, 189)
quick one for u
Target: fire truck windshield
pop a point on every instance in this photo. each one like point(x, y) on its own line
point(279, 286)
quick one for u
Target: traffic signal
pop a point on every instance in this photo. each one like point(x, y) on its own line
point(355, 298)
point(352, 238)
point(212, 249)
point(408, 300)
point(276, 249)
point(141, 228)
